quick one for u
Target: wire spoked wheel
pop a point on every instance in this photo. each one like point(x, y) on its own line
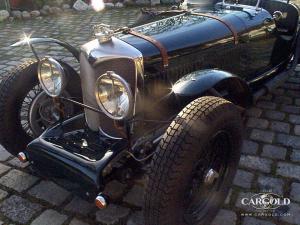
point(207, 177)
point(39, 111)
point(25, 110)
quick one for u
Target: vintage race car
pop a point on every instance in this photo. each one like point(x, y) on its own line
point(168, 95)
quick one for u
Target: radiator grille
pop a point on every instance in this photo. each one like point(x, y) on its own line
point(122, 66)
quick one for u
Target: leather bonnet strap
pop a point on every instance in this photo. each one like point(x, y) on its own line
point(157, 44)
point(231, 28)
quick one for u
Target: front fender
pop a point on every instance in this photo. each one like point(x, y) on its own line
point(29, 41)
point(195, 84)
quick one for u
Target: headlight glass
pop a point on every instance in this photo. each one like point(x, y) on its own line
point(114, 96)
point(51, 76)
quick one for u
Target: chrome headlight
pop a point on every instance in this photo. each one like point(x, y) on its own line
point(114, 96)
point(52, 76)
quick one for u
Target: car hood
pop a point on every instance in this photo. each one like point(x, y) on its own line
point(186, 31)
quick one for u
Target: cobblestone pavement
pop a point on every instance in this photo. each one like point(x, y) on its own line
point(270, 159)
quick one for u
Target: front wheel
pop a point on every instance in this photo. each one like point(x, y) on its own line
point(195, 164)
point(25, 109)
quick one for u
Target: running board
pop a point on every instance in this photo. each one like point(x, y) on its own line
point(272, 84)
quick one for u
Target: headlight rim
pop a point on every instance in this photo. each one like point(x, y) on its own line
point(127, 88)
point(61, 71)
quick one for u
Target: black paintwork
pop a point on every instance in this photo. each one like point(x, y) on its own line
point(195, 42)
point(196, 46)
point(59, 151)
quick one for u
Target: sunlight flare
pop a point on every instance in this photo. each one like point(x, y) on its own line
point(97, 5)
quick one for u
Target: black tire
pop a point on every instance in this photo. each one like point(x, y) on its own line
point(186, 143)
point(14, 87)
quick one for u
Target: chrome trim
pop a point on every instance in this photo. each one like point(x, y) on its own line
point(107, 135)
point(158, 139)
point(93, 54)
point(22, 157)
point(128, 89)
point(97, 53)
point(103, 33)
point(101, 202)
point(61, 71)
point(210, 177)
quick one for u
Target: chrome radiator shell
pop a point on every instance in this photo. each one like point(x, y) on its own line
point(95, 60)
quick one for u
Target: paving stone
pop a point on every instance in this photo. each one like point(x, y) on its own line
point(254, 112)
point(112, 215)
point(283, 100)
point(270, 184)
point(280, 127)
point(136, 218)
point(19, 209)
point(250, 147)
point(77, 222)
point(295, 156)
point(262, 135)
point(297, 129)
point(17, 163)
point(274, 152)
point(295, 192)
point(256, 163)
point(80, 206)
point(243, 179)
point(3, 194)
point(294, 210)
point(279, 91)
point(50, 217)
point(274, 115)
point(135, 196)
point(288, 170)
point(295, 119)
point(255, 221)
point(288, 140)
point(4, 168)
point(267, 97)
point(225, 217)
point(4, 155)
point(257, 123)
point(114, 189)
point(18, 180)
point(290, 109)
point(50, 192)
point(266, 105)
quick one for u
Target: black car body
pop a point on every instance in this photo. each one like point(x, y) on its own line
point(234, 51)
